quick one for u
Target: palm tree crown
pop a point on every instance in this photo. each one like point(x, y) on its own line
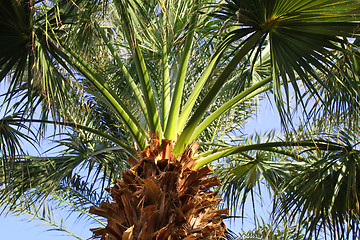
point(112, 77)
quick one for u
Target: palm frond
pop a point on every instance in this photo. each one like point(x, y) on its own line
point(323, 194)
point(14, 133)
point(301, 47)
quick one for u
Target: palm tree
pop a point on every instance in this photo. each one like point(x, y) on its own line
point(153, 81)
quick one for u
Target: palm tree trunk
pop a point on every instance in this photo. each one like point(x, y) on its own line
point(161, 197)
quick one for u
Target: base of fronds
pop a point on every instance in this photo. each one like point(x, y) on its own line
point(161, 197)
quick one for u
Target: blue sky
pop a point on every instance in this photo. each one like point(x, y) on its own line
point(12, 227)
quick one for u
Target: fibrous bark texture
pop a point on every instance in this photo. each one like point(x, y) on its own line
point(162, 197)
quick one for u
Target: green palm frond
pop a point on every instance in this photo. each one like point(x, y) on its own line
point(324, 194)
point(343, 104)
point(28, 60)
point(99, 161)
point(14, 133)
point(244, 175)
point(301, 46)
